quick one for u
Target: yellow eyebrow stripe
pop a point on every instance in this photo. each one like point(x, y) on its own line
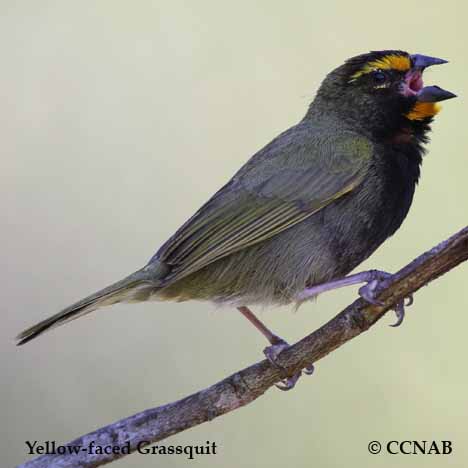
point(389, 62)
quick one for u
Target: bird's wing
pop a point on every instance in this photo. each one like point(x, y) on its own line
point(292, 178)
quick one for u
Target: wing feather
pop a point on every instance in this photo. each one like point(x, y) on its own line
point(289, 180)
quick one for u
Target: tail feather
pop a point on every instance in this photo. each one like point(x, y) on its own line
point(128, 289)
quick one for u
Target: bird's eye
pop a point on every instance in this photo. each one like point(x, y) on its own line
point(379, 77)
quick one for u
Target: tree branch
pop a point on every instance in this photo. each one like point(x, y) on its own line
point(245, 386)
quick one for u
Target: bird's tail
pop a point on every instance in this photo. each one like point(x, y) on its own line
point(134, 288)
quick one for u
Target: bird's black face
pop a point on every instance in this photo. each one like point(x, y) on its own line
point(383, 91)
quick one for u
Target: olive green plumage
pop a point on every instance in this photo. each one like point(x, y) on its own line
point(266, 250)
point(307, 208)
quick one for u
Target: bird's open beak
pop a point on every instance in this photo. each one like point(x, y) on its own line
point(434, 94)
point(413, 84)
point(423, 61)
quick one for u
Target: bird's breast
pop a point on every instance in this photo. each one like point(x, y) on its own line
point(355, 226)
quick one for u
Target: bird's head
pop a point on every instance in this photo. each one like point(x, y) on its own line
point(382, 91)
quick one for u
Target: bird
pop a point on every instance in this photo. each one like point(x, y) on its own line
point(305, 210)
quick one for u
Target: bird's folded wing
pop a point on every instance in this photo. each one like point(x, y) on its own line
point(282, 185)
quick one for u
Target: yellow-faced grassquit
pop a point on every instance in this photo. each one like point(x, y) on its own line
point(306, 209)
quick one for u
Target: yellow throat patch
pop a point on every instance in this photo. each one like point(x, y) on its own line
point(389, 62)
point(422, 110)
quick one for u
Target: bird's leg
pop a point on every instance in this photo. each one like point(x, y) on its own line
point(277, 345)
point(372, 278)
point(261, 327)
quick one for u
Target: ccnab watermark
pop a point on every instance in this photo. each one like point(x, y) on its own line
point(411, 447)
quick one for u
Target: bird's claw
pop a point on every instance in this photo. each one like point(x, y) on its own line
point(272, 352)
point(368, 293)
point(400, 314)
point(409, 300)
point(400, 310)
point(288, 383)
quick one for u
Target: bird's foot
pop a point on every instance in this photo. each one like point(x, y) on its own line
point(369, 290)
point(373, 280)
point(272, 352)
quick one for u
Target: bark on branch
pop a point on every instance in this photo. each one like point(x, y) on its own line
point(248, 384)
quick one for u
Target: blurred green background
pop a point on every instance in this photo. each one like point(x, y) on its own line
point(118, 120)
